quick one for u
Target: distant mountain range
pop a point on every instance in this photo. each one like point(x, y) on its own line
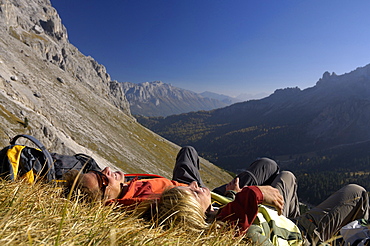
point(161, 99)
point(248, 96)
point(223, 98)
point(231, 100)
point(322, 128)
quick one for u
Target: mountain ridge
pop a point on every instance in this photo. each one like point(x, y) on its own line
point(161, 99)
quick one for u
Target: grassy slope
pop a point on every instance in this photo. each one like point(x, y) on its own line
point(39, 215)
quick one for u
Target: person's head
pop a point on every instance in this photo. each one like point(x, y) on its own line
point(96, 185)
point(183, 206)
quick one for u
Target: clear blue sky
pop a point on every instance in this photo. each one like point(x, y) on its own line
point(224, 46)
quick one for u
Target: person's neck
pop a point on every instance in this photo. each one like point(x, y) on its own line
point(124, 188)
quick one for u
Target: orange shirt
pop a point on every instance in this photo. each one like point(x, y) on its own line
point(144, 190)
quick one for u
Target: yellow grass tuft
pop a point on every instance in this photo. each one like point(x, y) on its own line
point(39, 215)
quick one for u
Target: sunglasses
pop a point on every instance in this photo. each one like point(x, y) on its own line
point(103, 181)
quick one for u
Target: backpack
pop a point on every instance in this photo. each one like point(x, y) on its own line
point(269, 228)
point(356, 233)
point(23, 162)
point(64, 163)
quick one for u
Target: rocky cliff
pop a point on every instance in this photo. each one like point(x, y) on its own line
point(50, 90)
point(161, 99)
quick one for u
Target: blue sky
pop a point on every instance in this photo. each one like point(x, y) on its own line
point(224, 46)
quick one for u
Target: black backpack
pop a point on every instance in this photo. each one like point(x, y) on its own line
point(64, 163)
point(20, 161)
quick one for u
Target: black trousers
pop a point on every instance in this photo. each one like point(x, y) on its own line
point(187, 167)
point(263, 171)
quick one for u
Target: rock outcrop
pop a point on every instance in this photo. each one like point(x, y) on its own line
point(37, 25)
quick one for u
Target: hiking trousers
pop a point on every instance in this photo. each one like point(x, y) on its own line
point(286, 183)
point(322, 222)
point(187, 166)
point(263, 171)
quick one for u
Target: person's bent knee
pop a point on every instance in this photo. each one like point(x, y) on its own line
point(188, 148)
point(267, 160)
point(358, 194)
point(265, 163)
point(288, 176)
point(187, 151)
point(355, 189)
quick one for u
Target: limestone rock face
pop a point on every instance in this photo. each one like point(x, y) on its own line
point(50, 90)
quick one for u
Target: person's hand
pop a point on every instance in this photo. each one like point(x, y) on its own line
point(272, 197)
point(234, 185)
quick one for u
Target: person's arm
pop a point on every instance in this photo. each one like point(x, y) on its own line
point(243, 210)
point(272, 197)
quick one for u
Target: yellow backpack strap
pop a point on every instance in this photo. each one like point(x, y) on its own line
point(13, 155)
point(218, 199)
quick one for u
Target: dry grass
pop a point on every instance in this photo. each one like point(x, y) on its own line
point(39, 215)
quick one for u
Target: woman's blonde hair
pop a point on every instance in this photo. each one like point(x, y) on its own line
point(178, 208)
